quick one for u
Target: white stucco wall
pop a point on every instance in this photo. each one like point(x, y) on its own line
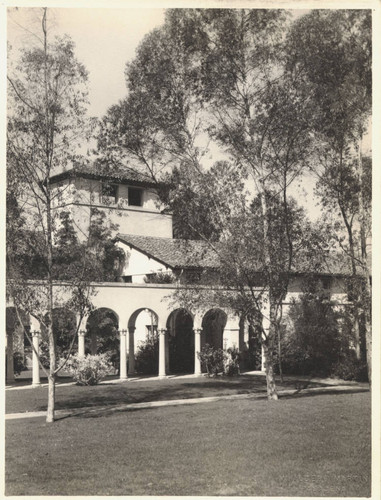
point(138, 264)
point(79, 194)
point(142, 321)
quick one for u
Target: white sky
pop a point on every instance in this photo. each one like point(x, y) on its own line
point(105, 39)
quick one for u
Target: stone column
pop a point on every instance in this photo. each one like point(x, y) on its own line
point(81, 343)
point(10, 370)
point(197, 348)
point(131, 350)
point(123, 354)
point(162, 366)
point(36, 365)
point(167, 353)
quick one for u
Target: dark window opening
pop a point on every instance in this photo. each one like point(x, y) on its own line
point(135, 197)
point(127, 279)
point(109, 193)
point(326, 282)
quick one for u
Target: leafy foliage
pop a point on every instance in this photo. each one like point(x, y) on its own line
point(319, 340)
point(147, 355)
point(103, 324)
point(18, 363)
point(215, 360)
point(88, 370)
point(160, 277)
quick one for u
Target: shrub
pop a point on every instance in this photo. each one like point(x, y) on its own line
point(212, 360)
point(311, 344)
point(351, 369)
point(18, 363)
point(216, 361)
point(147, 355)
point(88, 370)
point(160, 278)
point(231, 362)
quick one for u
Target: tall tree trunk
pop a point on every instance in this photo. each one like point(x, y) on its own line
point(280, 354)
point(269, 367)
point(52, 378)
point(365, 294)
point(270, 334)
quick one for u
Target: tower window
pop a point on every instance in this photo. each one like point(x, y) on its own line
point(135, 196)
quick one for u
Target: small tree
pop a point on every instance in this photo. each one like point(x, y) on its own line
point(312, 341)
point(46, 122)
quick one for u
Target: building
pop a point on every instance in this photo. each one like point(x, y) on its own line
point(157, 265)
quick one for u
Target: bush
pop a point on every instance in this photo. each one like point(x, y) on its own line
point(147, 355)
point(311, 343)
point(231, 362)
point(212, 360)
point(18, 363)
point(216, 361)
point(351, 369)
point(88, 370)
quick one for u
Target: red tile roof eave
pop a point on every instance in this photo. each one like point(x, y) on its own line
point(71, 174)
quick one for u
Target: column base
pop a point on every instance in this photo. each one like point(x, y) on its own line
point(36, 384)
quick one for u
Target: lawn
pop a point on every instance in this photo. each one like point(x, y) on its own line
point(139, 391)
point(315, 445)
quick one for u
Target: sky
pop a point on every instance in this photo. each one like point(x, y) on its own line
point(106, 39)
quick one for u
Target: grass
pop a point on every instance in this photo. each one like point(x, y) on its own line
point(317, 445)
point(141, 391)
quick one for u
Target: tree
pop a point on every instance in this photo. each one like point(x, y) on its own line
point(331, 51)
point(220, 73)
point(46, 122)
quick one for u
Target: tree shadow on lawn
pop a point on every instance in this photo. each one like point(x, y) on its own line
point(330, 392)
point(169, 389)
point(116, 409)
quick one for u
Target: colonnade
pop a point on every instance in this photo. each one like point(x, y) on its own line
point(127, 346)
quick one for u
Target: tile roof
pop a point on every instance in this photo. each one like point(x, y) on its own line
point(127, 175)
point(174, 253)
point(193, 254)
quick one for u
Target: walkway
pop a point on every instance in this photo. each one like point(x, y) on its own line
point(176, 402)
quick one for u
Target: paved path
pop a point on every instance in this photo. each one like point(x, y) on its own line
point(176, 402)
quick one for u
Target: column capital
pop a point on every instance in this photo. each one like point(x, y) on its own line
point(35, 333)
point(82, 333)
point(197, 330)
point(123, 332)
point(162, 331)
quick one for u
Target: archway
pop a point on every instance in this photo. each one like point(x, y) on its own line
point(16, 342)
point(143, 342)
point(181, 341)
point(213, 325)
point(64, 331)
point(102, 334)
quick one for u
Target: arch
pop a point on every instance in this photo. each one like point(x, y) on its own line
point(135, 314)
point(144, 346)
point(181, 341)
point(64, 328)
point(102, 332)
point(213, 324)
point(16, 341)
